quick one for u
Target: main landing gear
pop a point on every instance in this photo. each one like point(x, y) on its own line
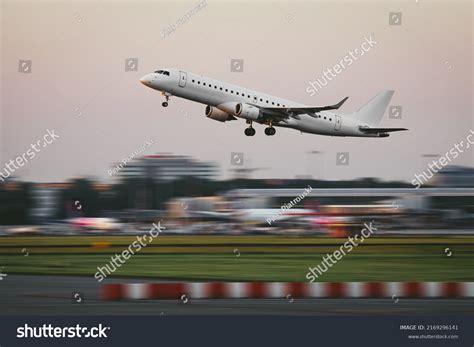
point(167, 97)
point(249, 131)
point(270, 131)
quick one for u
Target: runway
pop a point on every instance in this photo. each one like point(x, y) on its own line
point(61, 295)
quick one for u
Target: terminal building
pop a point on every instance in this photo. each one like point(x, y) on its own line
point(46, 201)
point(164, 167)
point(454, 176)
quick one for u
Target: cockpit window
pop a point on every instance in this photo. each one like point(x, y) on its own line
point(163, 72)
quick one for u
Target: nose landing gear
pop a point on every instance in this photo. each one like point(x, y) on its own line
point(167, 97)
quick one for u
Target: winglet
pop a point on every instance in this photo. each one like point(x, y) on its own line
point(340, 103)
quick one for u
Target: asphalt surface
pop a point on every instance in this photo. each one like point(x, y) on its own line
point(51, 295)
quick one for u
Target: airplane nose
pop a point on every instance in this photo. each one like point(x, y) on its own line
point(145, 80)
point(148, 80)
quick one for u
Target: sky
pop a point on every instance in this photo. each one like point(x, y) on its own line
point(78, 86)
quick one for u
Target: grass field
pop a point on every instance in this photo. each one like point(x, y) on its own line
point(244, 258)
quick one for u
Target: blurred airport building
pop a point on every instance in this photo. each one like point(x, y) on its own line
point(168, 167)
point(185, 192)
point(454, 176)
point(46, 200)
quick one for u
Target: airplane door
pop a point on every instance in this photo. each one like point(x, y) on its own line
point(182, 79)
point(337, 124)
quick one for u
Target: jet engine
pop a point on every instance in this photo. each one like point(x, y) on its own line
point(216, 114)
point(247, 111)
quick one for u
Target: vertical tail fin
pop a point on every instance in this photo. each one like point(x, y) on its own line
point(372, 112)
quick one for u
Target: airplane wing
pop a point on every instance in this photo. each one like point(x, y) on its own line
point(286, 112)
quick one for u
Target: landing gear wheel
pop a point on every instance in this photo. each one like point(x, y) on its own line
point(270, 131)
point(249, 131)
point(167, 97)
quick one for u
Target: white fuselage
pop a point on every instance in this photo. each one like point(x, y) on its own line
point(224, 96)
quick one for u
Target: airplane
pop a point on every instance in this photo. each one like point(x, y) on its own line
point(95, 224)
point(227, 102)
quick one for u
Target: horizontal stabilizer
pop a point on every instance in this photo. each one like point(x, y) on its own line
point(379, 130)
